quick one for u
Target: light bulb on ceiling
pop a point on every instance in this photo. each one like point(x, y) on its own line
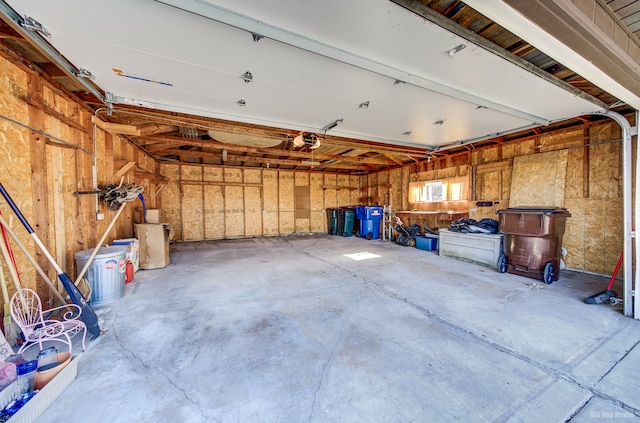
point(298, 141)
point(308, 139)
point(315, 144)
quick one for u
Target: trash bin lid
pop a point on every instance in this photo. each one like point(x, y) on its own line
point(536, 210)
point(105, 251)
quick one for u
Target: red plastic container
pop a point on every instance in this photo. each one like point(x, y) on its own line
point(128, 272)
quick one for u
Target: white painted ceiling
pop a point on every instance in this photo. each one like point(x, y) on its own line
point(318, 62)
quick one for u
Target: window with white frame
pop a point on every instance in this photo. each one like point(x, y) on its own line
point(448, 189)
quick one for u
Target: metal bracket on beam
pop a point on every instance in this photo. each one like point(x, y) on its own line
point(111, 97)
point(31, 29)
point(33, 25)
point(83, 73)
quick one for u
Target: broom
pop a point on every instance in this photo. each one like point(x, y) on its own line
point(606, 295)
point(12, 332)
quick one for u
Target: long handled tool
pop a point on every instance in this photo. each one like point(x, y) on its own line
point(11, 330)
point(88, 316)
point(606, 295)
point(95, 250)
point(33, 261)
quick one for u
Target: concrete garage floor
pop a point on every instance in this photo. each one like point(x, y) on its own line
point(293, 330)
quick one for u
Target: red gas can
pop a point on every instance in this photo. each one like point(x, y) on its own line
point(128, 272)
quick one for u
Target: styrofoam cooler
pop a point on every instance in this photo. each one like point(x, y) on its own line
point(133, 250)
point(106, 274)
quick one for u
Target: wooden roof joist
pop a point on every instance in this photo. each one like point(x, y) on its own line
point(161, 149)
point(264, 160)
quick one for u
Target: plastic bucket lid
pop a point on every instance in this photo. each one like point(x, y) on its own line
point(104, 252)
point(26, 368)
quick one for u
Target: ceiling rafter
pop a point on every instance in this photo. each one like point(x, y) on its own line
point(265, 160)
point(268, 151)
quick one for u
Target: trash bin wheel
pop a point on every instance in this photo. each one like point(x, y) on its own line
point(549, 273)
point(368, 236)
point(502, 263)
point(345, 234)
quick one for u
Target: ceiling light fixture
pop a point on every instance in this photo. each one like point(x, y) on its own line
point(308, 139)
point(406, 133)
point(364, 105)
point(247, 77)
point(439, 122)
point(430, 151)
point(456, 49)
point(242, 103)
point(256, 37)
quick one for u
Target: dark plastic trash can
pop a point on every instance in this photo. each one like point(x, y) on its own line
point(340, 221)
point(332, 221)
point(356, 222)
point(349, 220)
point(533, 241)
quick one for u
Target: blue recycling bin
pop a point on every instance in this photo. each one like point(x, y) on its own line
point(370, 217)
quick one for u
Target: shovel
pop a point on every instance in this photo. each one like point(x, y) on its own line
point(88, 316)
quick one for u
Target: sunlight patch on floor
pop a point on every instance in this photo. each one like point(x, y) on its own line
point(361, 256)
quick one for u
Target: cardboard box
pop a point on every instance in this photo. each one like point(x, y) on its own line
point(133, 250)
point(153, 216)
point(154, 244)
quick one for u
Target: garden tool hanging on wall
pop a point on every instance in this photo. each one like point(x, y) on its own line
point(116, 195)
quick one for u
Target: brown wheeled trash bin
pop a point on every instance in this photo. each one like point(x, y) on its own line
point(533, 241)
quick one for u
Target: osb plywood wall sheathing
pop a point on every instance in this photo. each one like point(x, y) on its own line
point(286, 202)
point(47, 146)
point(209, 202)
point(253, 203)
point(539, 179)
point(579, 170)
point(302, 203)
point(317, 221)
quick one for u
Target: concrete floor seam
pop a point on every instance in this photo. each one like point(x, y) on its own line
point(301, 329)
point(461, 331)
point(468, 333)
point(324, 368)
point(579, 409)
point(453, 328)
point(153, 370)
point(513, 411)
point(618, 361)
point(346, 319)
